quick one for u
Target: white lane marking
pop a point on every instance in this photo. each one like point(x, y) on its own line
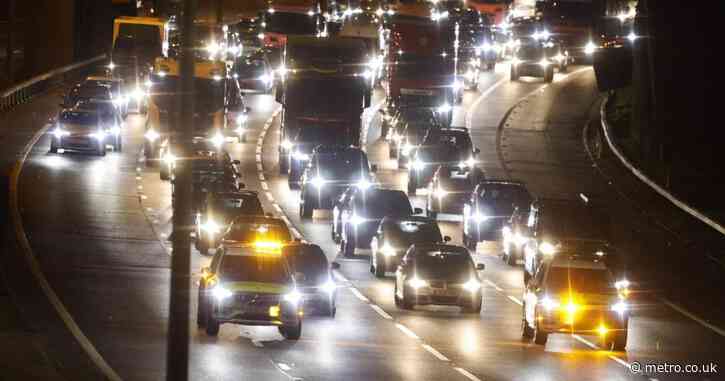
point(258, 150)
point(258, 158)
point(339, 276)
point(469, 113)
point(368, 122)
point(515, 300)
point(694, 317)
point(269, 196)
point(286, 220)
point(264, 185)
point(597, 348)
point(407, 331)
point(261, 176)
point(381, 312)
point(468, 374)
point(488, 282)
point(284, 366)
point(434, 352)
point(259, 167)
point(585, 342)
point(277, 208)
point(257, 344)
point(619, 361)
point(296, 232)
point(358, 294)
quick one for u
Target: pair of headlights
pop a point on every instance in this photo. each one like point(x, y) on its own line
point(472, 285)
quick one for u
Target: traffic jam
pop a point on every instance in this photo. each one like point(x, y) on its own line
point(365, 162)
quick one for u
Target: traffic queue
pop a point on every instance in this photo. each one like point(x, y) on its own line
point(425, 56)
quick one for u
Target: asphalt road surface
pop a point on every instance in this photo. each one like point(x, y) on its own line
point(99, 226)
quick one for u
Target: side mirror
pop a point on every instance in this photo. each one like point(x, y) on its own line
point(417, 210)
point(476, 150)
point(480, 267)
point(299, 277)
point(335, 266)
point(374, 168)
point(446, 239)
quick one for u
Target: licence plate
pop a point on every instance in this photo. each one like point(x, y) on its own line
point(416, 92)
point(440, 291)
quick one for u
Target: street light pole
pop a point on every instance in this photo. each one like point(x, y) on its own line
point(177, 363)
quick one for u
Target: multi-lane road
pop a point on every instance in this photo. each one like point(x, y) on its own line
point(99, 227)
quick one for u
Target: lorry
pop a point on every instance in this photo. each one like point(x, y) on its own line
point(219, 109)
point(137, 42)
point(323, 83)
point(420, 59)
point(495, 10)
point(285, 18)
point(571, 22)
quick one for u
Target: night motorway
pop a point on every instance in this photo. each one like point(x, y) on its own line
point(354, 190)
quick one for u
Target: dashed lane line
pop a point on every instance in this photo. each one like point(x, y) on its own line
point(496, 287)
point(435, 353)
point(407, 331)
point(515, 300)
point(468, 374)
point(359, 295)
point(381, 312)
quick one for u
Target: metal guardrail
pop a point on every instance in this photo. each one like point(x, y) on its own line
point(642, 177)
point(26, 90)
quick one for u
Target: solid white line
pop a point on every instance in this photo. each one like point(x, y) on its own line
point(277, 207)
point(258, 158)
point(269, 196)
point(488, 282)
point(434, 352)
point(295, 232)
point(586, 342)
point(258, 150)
point(515, 300)
point(284, 366)
point(407, 331)
point(260, 175)
point(381, 312)
point(694, 317)
point(480, 98)
point(468, 374)
point(339, 276)
point(619, 361)
point(358, 294)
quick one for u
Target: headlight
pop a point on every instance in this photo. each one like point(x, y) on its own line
point(444, 108)
point(151, 135)
point(547, 249)
point(417, 283)
point(111, 66)
point(544, 62)
point(100, 135)
point(217, 140)
point(282, 70)
point(260, 36)
point(418, 165)
point(388, 250)
point(559, 57)
point(367, 74)
point(470, 74)
point(440, 193)
point(318, 182)
point(265, 78)
point(300, 156)
point(363, 184)
point(241, 119)
point(472, 285)
point(293, 297)
point(487, 47)
point(287, 145)
point(356, 220)
point(210, 227)
point(59, 133)
point(148, 84)
point(138, 94)
point(620, 284)
point(515, 61)
point(116, 130)
point(169, 158)
point(456, 85)
point(220, 293)
point(329, 287)
point(589, 48)
point(620, 307)
point(549, 304)
point(480, 217)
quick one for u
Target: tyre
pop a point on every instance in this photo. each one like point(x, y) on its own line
point(291, 332)
point(564, 68)
point(164, 173)
point(395, 297)
point(407, 303)
point(53, 146)
point(526, 331)
point(212, 326)
point(101, 150)
point(201, 314)
point(431, 214)
point(540, 337)
point(119, 145)
point(379, 268)
point(469, 242)
point(305, 211)
point(549, 76)
point(392, 153)
point(412, 186)
point(328, 309)
point(514, 74)
point(474, 307)
point(510, 258)
point(618, 341)
point(283, 164)
point(243, 138)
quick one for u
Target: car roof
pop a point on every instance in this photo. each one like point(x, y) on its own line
point(259, 218)
point(330, 42)
point(250, 250)
point(93, 78)
point(336, 148)
point(428, 247)
point(577, 263)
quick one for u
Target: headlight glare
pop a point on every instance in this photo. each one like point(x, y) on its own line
point(417, 283)
point(220, 293)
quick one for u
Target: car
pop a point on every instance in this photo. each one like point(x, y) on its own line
point(394, 236)
point(449, 189)
point(440, 274)
point(489, 207)
point(111, 117)
point(552, 225)
point(411, 127)
point(209, 173)
point(331, 171)
point(207, 159)
point(531, 59)
point(308, 137)
point(116, 85)
point(255, 73)
point(86, 91)
point(250, 285)
point(218, 211)
point(451, 147)
point(339, 207)
point(558, 55)
point(235, 128)
point(366, 209)
point(80, 130)
point(576, 293)
point(318, 288)
point(249, 229)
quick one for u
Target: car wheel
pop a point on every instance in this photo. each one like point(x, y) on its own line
point(474, 307)
point(431, 214)
point(119, 145)
point(395, 296)
point(283, 164)
point(203, 246)
point(510, 258)
point(348, 247)
point(514, 74)
point(212, 326)
point(305, 211)
point(392, 153)
point(563, 68)
point(379, 267)
point(328, 309)
point(540, 337)
point(526, 331)
point(53, 146)
point(164, 173)
point(291, 332)
point(102, 150)
point(201, 314)
point(549, 76)
point(619, 341)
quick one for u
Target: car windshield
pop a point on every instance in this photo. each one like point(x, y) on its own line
point(91, 92)
point(530, 52)
point(402, 234)
point(80, 118)
point(268, 231)
point(235, 206)
point(574, 222)
point(311, 261)
point(503, 193)
point(318, 135)
point(332, 96)
point(208, 93)
point(342, 167)
point(561, 280)
point(378, 204)
point(454, 266)
point(291, 23)
point(253, 268)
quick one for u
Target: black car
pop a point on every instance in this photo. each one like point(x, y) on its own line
point(317, 287)
point(489, 207)
point(411, 127)
point(449, 147)
point(87, 91)
point(218, 211)
point(339, 208)
point(308, 137)
point(360, 222)
point(438, 274)
point(449, 189)
point(532, 59)
point(553, 225)
point(255, 73)
point(81, 130)
point(395, 235)
point(331, 171)
point(111, 117)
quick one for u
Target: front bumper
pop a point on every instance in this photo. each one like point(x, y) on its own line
point(533, 69)
point(587, 322)
point(446, 296)
point(79, 143)
point(240, 309)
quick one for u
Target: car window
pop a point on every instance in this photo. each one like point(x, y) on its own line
point(237, 205)
point(406, 233)
point(578, 280)
point(257, 268)
point(443, 265)
point(377, 204)
point(270, 231)
point(311, 261)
